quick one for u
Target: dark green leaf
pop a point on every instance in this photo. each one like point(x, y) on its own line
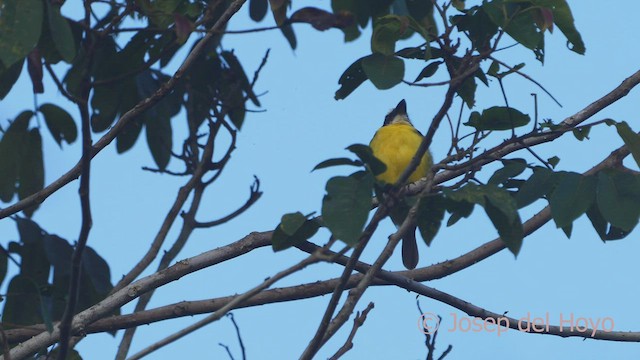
point(512, 168)
point(46, 306)
point(61, 33)
point(422, 11)
point(429, 217)
point(59, 253)
point(337, 162)
point(600, 225)
point(478, 25)
point(618, 198)
point(509, 227)
point(567, 230)
point(31, 172)
point(386, 32)
point(428, 70)
point(104, 103)
point(12, 150)
point(160, 140)
point(365, 154)
point(294, 228)
point(571, 198)
point(258, 9)
point(20, 25)
point(236, 68)
point(353, 77)
point(458, 210)
point(563, 18)
point(582, 133)
point(287, 31)
point(349, 7)
point(631, 139)
point(4, 264)
point(467, 92)
point(518, 23)
point(553, 161)
point(501, 200)
point(384, 72)
point(8, 77)
point(498, 118)
point(346, 205)
point(97, 270)
point(60, 123)
point(541, 183)
point(22, 306)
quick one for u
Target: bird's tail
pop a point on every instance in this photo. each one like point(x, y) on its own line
point(410, 250)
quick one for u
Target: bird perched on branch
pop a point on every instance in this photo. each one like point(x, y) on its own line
point(395, 144)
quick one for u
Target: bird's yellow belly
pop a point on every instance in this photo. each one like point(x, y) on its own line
point(395, 145)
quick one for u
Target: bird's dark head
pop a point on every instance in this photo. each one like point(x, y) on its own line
point(398, 115)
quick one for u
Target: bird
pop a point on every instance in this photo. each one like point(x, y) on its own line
point(395, 143)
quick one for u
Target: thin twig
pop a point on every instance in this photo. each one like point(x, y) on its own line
point(357, 323)
point(84, 192)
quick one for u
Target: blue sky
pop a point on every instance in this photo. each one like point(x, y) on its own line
point(303, 125)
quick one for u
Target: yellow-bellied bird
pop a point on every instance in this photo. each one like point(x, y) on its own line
point(395, 144)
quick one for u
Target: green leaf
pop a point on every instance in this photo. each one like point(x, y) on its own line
point(501, 200)
point(8, 77)
point(467, 92)
point(12, 149)
point(353, 77)
point(384, 72)
point(59, 123)
point(630, 138)
point(429, 217)
point(97, 270)
point(422, 11)
point(4, 265)
point(582, 133)
point(600, 225)
point(553, 161)
point(59, 253)
point(509, 226)
point(159, 139)
point(571, 198)
point(519, 23)
point(428, 70)
point(387, 31)
point(618, 198)
point(31, 172)
point(365, 154)
point(511, 169)
point(540, 184)
point(235, 66)
point(294, 229)
point(287, 31)
point(20, 24)
point(346, 205)
point(258, 9)
point(498, 118)
point(61, 33)
point(104, 103)
point(478, 25)
point(22, 306)
point(563, 18)
point(337, 162)
point(567, 230)
point(458, 210)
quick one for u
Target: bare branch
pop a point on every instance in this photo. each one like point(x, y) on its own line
point(357, 323)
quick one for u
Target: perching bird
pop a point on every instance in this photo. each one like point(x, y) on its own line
point(395, 144)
